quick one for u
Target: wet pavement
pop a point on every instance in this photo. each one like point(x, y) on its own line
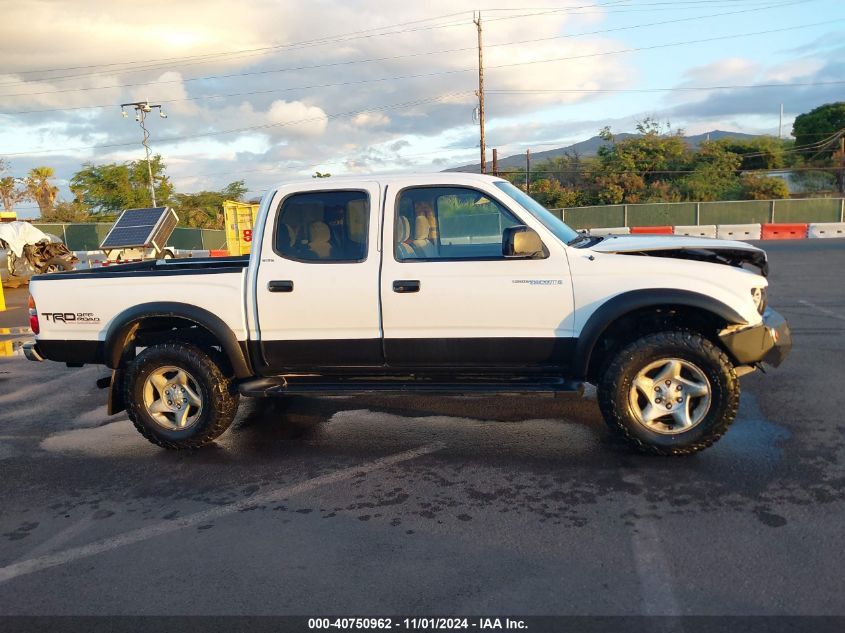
point(381, 505)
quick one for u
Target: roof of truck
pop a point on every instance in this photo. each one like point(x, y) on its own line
point(446, 178)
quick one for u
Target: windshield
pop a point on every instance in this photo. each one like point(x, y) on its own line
point(548, 219)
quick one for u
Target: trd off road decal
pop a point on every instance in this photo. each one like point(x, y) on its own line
point(71, 317)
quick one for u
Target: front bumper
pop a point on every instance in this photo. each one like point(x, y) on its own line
point(769, 342)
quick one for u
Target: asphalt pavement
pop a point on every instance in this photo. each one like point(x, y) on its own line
point(431, 505)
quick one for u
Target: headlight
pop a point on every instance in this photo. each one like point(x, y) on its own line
point(760, 298)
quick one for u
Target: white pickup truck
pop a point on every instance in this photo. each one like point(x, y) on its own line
point(440, 283)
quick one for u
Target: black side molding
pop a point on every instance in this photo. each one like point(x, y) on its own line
point(124, 325)
point(626, 302)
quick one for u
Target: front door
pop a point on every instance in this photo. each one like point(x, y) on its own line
point(317, 283)
point(450, 298)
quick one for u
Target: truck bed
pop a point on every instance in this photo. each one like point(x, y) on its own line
point(193, 266)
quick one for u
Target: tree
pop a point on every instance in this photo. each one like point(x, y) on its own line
point(762, 152)
point(67, 212)
point(10, 193)
point(714, 175)
point(814, 126)
point(40, 189)
point(205, 208)
point(627, 168)
point(756, 187)
point(112, 187)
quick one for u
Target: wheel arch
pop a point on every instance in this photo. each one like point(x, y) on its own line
point(127, 324)
point(628, 303)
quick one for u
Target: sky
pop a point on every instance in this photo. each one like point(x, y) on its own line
point(270, 91)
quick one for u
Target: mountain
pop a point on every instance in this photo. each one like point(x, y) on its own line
point(590, 147)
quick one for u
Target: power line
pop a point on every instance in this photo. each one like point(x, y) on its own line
point(326, 39)
point(374, 32)
point(493, 91)
point(418, 54)
point(674, 89)
point(522, 63)
point(661, 171)
point(251, 128)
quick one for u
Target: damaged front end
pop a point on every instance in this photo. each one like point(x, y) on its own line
point(756, 261)
point(727, 252)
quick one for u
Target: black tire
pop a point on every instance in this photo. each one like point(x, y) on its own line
point(219, 396)
point(57, 264)
point(615, 387)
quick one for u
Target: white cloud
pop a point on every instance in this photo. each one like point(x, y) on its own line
point(370, 119)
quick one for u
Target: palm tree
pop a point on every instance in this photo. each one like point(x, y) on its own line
point(10, 194)
point(40, 189)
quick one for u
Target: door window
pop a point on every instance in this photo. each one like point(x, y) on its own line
point(323, 226)
point(445, 223)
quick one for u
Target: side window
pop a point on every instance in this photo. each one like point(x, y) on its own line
point(326, 226)
point(449, 223)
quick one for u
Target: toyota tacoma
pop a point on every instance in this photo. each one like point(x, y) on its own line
point(442, 283)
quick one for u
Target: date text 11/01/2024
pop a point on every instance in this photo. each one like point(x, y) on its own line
point(433, 623)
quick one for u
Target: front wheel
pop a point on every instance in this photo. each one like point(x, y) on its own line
point(178, 397)
point(670, 393)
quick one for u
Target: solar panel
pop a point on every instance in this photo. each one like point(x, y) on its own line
point(141, 228)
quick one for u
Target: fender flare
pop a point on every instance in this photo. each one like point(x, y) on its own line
point(125, 324)
point(622, 304)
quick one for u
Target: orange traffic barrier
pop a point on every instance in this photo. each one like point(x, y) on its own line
point(783, 231)
point(219, 252)
point(663, 230)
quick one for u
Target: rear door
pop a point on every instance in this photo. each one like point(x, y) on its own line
point(450, 298)
point(317, 294)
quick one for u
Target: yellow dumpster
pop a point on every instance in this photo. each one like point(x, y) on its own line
point(240, 219)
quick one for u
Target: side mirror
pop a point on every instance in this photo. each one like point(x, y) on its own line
point(521, 241)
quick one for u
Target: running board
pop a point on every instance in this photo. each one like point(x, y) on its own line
point(323, 386)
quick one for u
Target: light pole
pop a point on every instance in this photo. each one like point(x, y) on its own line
point(142, 108)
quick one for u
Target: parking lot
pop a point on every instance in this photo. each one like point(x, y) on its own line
point(429, 505)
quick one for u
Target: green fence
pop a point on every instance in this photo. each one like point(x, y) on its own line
point(803, 210)
point(87, 237)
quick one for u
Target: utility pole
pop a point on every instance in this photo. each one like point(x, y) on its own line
point(142, 109)
point(480, 93)
point(842, 165)
point(528, 171)
point(780, 122)
point(495, 162)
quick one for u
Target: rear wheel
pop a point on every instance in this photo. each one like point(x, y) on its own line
point(178, 397)
point(670, 393)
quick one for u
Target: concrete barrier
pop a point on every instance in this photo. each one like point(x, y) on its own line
point(611, 230)
point(826, 229)
point(738, 231)
point(705, 230)
point(650, 230)
point(783, 231)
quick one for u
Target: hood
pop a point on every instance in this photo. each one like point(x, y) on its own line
point(704, 249)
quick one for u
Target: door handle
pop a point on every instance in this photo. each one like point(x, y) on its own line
point(406, 285)
point(280, 286)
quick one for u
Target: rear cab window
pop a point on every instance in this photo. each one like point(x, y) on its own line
point(323, 226)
